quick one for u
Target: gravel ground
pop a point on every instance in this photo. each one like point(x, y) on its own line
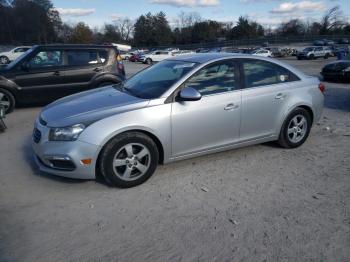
point(259, 203)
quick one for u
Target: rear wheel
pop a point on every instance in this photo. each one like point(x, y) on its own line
point(295, 129)
point(311, 57)
point(4, 60)
point(326, 56)
point(129, 159)
point(7, 100)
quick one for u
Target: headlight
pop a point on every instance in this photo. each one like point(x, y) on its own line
point(70, 133)
point(347, 69)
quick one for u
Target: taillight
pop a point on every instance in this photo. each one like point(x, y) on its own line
point(322, 88)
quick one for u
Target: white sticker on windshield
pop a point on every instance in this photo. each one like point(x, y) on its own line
point(184, 65)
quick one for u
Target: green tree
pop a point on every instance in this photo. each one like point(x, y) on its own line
point(81, 34)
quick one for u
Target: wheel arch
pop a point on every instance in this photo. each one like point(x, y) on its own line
point(155, 139)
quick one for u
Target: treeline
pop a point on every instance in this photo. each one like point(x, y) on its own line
point(37, 22)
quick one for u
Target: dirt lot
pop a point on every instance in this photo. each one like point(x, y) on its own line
point(259, 203)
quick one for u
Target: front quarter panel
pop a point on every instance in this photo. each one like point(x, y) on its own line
point(154, 119)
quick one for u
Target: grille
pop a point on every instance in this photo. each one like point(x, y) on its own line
point(36, 135)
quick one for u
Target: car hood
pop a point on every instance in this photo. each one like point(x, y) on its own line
point(90, 106)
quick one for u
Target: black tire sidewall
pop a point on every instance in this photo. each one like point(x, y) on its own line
point(284, 139)
point(7, 59)
point(111, 149)
point(11, 99)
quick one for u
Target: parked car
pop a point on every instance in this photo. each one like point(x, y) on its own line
point(337, 71)
point(156, 56)
point(46, 73)
point(136, 57)
point(179, 108)
point(323, 42)
point(261, 52)
point(13, 54)
point(277, 52)
point(343, 41)
point(314, 52)
point(125, 55)
point(183, 52)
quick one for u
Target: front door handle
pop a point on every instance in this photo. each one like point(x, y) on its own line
point(280, 96)
point(230, 106)
point(97, 69)
point(56, 73)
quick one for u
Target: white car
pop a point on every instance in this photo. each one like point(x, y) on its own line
point(156, 56)
point(7, 57)
point(262, 52)
point(183, 52)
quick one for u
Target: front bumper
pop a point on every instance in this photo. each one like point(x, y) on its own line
point(74, 151)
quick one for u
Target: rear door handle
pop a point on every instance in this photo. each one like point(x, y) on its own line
point(97, 69)
point(57, 73)
point(230, 106)
point(280, 96)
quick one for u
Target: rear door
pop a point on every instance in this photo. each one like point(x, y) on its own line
point(81, 66)
point(268, 88)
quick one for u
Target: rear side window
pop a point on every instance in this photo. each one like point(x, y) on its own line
point(82, 57)
point(103, 55)
point(262, 73)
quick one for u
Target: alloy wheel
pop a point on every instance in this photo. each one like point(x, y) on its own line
point(5, 101)
point(297, 128)
point(131, 161)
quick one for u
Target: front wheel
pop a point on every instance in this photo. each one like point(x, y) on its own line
point(295, 129)
point(326, 56)
point(129, 159)
point(4, 60)
point(7, 100)
point(149, 61)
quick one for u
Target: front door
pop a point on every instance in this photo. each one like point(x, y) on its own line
point(213, 121)
point(40, 76)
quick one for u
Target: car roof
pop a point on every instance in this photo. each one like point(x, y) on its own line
point(74, 46)
point(203, 58)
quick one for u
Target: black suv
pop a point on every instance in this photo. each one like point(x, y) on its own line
point(47, 72)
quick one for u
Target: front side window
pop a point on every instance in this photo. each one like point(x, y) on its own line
point(49, 58)
point(157, 79)
point(216, 78)
point(261, 73)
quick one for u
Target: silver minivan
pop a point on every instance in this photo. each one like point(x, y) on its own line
point(180, 108)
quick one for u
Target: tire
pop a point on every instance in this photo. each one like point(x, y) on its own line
point(326, 56)
point(126, 58)
point(8, 100)
point(289, 138)
point(4, 60)
point(299, 58)
point(131, 170)
point(311, 57)
point(149, 61)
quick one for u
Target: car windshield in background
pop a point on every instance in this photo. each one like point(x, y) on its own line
point(155, 80)
point(308, 49)
point(14, 62)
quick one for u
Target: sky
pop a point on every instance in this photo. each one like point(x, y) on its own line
point(267, 12)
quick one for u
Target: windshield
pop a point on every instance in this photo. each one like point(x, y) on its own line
point(14, 62)
point(155, 80)
point(308, 49)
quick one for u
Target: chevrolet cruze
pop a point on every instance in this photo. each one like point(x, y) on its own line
point(180, 108)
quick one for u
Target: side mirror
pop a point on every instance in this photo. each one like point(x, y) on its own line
point(189, 94)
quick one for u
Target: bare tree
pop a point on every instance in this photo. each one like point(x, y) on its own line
point(333, 20)
point(125, 28)
point(188, 19)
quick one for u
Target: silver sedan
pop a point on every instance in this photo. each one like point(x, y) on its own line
point(180, 108)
